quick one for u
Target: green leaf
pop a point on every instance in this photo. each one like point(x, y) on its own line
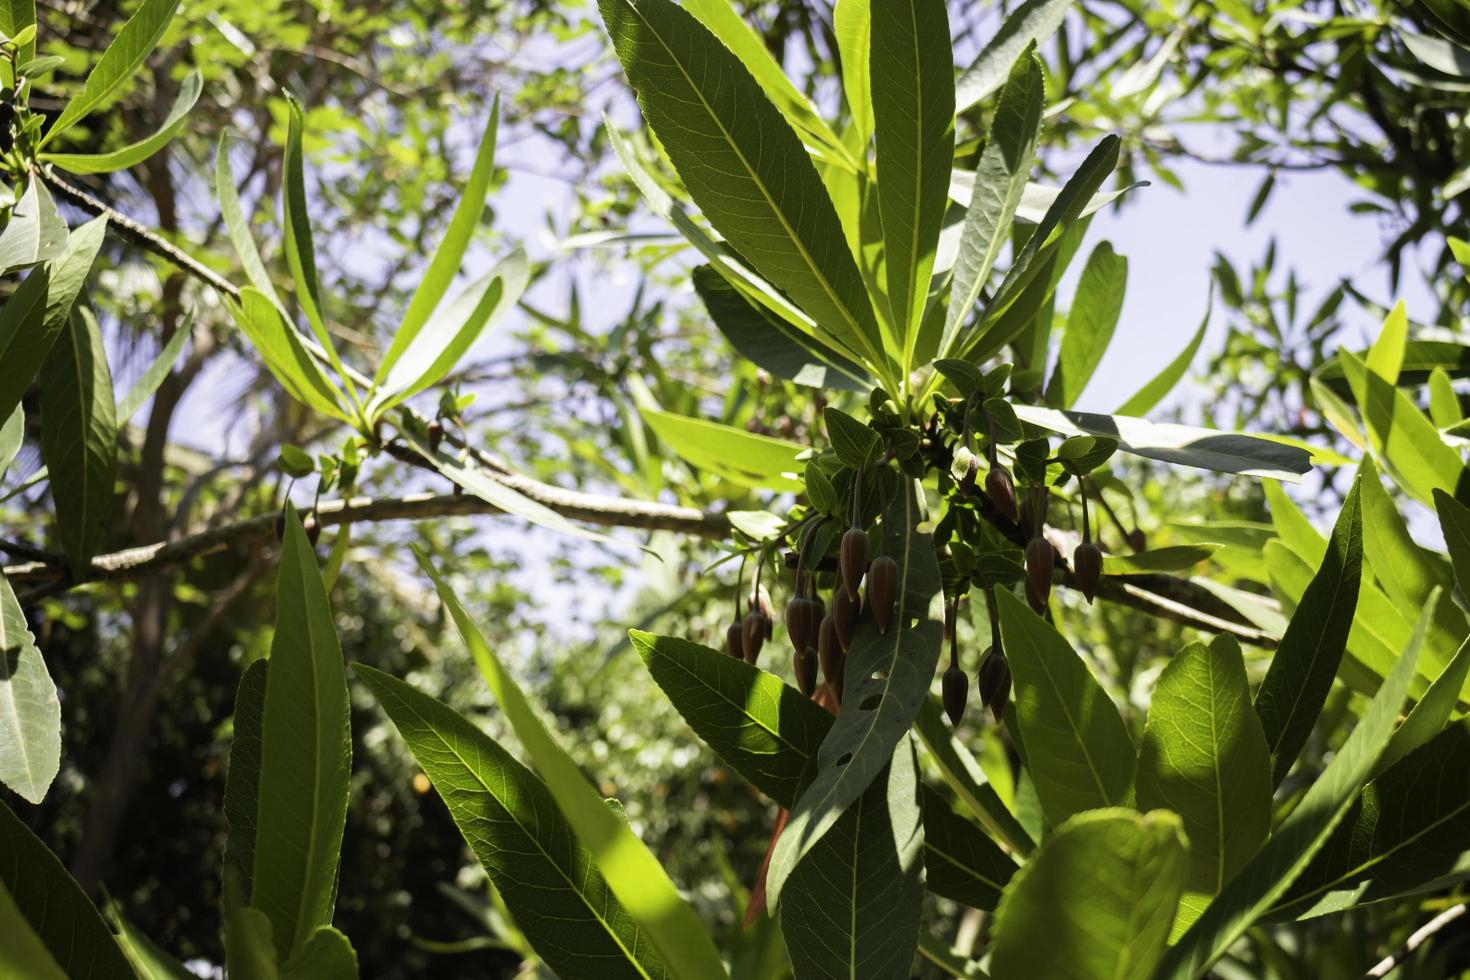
point(150, 962)
point(23, 954)
point(1454, 523)
point(1433, 710)
point(1000, 181)
point(769, 733)
point(1407, 572)
point(1174, 558)
point(326, 955)
point(79, 437)
point(30, 712)
point(305, 755)
point(852, 24)
point(250, 952)
point(1030, 23)
point(1403, 439)
point(1149, 396)
point(1444, 404)
point(1306, 660)
point(239, 227)
point(852, 906)
point(242, 780)
point(158, 369)
point(451, 331)
point(1263, 881)
point(35, 232)
point(1095, 901)
point(1077, 749)
point(887, 678)
point(857, 445)
point(1386, 356)
point(1204, 756)
point(15, 17)
point(55, 906)
point(746, 458)
point(134, 153)
point(1405, 830)
point(124, 56)
point(636, 878)
point(284, 354)
point(449, 256)
point(913, 107)
point(1184, 445)
point(762, 337)
point(742, 164)
point(510, 820)
point(1090, 324)
point(970, 781)
point(12, 434)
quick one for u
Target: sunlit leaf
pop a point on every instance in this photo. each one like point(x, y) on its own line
point(30, 712)
point(134, 153)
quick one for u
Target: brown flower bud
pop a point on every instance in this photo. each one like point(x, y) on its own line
point(830, 653)
point(1087, 566)
point(995, 682)
point(435, 433)
point(1002, 492)
point(753, 630)
point(853, 559)
point(1136, 540)
point(845, 616)
point(883, 590)
point(1038, 573)
point(805, 668)
point(801, 623)
point(734, 641)
point(956, 691)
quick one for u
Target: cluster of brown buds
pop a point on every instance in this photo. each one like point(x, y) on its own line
point(995, 672)
point(745, 637)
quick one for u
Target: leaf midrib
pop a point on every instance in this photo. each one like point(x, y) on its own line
point(1071, 722)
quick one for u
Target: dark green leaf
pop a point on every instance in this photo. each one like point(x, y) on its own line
point(1454, 523)
point(326, 955)
point(1090, 324)
point(30, 712)
point(23, 954)
point(1306, 660)
point(242, 781)
point(856, 444)
point(134, 153)
point(546, 876)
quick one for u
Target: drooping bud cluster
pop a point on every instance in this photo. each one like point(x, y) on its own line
point(753, 630)
point(831, 653)
point(802, 618)
point(845, 611)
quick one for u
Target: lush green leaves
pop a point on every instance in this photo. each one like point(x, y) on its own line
point(1077, 750)
point(305, 755)
point(1306, 661)
point(746, 458)
point(1204, 756)
point(543, 872)
point(284, 354)
point(1096, 900)
point(856, 444)
point(30, 712)
point(1402, 437)
point(1030, 23)
point(79, 437)
point(134, 153)
point(55, 907)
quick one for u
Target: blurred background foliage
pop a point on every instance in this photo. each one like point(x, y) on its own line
point(397, 93)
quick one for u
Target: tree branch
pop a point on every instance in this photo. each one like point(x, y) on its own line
point(1420, 936)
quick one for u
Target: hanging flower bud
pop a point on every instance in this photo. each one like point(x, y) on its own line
point(852, 559)
point(995, 682)
point(1136, 540)
point(436, 434)
point(805, 668)
point(753, 632)
point(801, 623)
point(734, 641)
point(1087, 566)
point(845, 616)
point(956, 690)
point(883, 590)
point(1038, 573)
point(830, 654)
point(1002, 492)
point(763, 603)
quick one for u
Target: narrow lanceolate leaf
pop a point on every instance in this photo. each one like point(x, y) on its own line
point(152, 377)
point(1266, 878)
point(151, 962)
point(55, 907)
point(12, 434)
point(1090, 324)
point(852, 23)
point(284, 354)
point(633, 874)
point(509, 818)
point(1000, 181)
point(1432, 710)
point(36, 312)
point(300, 250)
point(1405, 830)
point(1159, 386)
point(1454, 524)
point(306, 755)
point(30, 712)
point(1403, 439)
point(79, 437)
point(887, 678)
point(1078, 752)
point(242, 781)
point(124, 56)
point(741, 163)
point(769, 734)
point(746, 458)
point(16, 16)
point(134, 153)
point(1306, 660)
point(851, 908)
point(239, 225)
point(1030, 23)
point(449, 256)
point(35, 232)
point(913, 107)
point(1204, 757)
point(1095, 901)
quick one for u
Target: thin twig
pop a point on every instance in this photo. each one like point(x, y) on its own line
point(1385, 966)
